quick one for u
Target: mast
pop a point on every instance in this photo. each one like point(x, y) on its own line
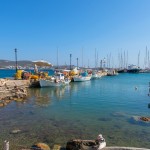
point(70, 60)
point(77, 63)
point(95, 58)
point(139, 59)
point(124, 60)
point(82, 57)
point(127, 60)
point(148, 60)
point(57, 58)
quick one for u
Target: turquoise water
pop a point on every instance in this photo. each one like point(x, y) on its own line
point(81, 110)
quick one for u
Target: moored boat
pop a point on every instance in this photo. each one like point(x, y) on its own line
point(96, 75)
point(56, 81)
point(81, 78)
point(84, 76)
point(112, 72)
point(133, 69)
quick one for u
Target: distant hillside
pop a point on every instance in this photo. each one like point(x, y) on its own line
point(5, 63)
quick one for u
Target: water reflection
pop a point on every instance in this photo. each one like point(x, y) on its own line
point(44, 96)
point(76, 86)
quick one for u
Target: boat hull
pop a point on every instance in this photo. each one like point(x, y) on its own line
point(49, 83)
point(81, 79)
point(133, 70)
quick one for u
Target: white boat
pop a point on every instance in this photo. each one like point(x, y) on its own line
point(133, 69)
point(81, 78)
point(112, 72)
point(96, 75)
point(56, 81)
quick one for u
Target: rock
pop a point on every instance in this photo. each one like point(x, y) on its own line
point(56, 147)
point(1, 104)
point(18, 99)
point(13, 88)
point(7, 101)
point(140, 120)
point(40, 146)
point(16, 131)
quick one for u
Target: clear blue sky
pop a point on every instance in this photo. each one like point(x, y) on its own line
point(38, 27)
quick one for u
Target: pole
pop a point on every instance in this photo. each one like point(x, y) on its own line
point(57, 58)
point(77, 63)
point(16, 59)
point(70, 60)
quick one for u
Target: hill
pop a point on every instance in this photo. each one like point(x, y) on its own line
point(23, 63)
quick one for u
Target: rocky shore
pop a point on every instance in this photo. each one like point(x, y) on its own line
point(12, 90)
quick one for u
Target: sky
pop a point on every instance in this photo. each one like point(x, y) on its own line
point(51, 30)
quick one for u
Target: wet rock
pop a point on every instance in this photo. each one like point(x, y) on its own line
point(16, 131)
point(140, 120)
point(57, 147)
point(7, 101)
point(104, 119)
point(40, 146)
point(2, 105)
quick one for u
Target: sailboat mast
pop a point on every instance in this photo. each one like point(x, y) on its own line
point(82, 57)
point(139, 59)
point(57, 58)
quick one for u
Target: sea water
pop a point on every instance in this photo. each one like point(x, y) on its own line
point(81, 111)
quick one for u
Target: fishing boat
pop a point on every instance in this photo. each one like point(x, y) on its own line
point(82, 77)
point(56, 81)
point(96, 75)
point(112, 72)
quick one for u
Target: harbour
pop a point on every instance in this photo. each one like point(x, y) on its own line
point(81, 110)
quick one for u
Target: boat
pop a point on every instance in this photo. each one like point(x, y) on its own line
point(56, 81)
point(84, 76)
point(122, 70)
point(97, 144)
point(96, 75)
point(133, 69)
point(81, 78)
point(112, 72)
